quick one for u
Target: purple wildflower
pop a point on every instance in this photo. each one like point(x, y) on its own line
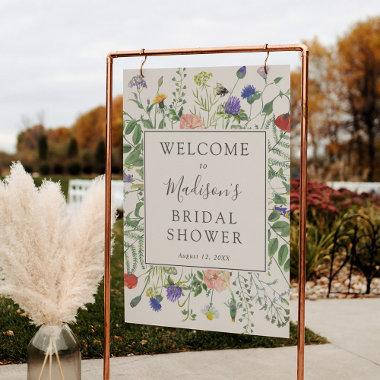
point(232, 106)
point(248, 91)
point(281, 210)
point(155, 304)
point(137, 81)
point(128, 178)
point(173, 293)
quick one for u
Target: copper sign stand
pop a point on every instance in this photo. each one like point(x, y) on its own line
point(303, 177)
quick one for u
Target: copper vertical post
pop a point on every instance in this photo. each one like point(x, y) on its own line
point(303, 215)
point(303, 174)
point(107, 248)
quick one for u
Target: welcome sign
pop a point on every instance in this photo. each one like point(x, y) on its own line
point(206, 183)
point(207, 206)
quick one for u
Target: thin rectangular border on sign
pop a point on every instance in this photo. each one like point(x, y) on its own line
point(265, 206)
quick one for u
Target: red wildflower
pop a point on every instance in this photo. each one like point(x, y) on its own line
point(283, 122)
point(130, 280)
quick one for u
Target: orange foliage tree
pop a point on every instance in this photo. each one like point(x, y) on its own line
point(77, 145)
point(358, 57)
point(90, 127)
point(344, 105)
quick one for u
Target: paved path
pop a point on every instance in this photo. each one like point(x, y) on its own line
point(352, 326)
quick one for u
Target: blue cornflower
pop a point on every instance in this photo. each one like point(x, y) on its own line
point(232, 106)
point(155, 304)
point(248, 91)
point(137, 81)
point(173, 293)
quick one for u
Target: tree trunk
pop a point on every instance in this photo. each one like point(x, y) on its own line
point(369, 118)
point(368, 290)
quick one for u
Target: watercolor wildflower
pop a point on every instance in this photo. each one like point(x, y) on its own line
point(202, 78)
point(130, 280)
point(283, 122)
point(241, 72)
point(137, 81)
point(282, 210)
point(189, 121)
point(216, 279)
point(128, 178)
point(155, 303)
point(173, 293)
point(210, 312)
point(248, 91)
point(159, 99)
point(232, 106)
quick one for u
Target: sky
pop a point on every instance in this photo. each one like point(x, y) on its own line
point(52, 53)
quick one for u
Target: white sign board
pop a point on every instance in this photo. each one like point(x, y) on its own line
point(206, 193)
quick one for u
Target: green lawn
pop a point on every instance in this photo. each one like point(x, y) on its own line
point(16, 332)
point(63, 180)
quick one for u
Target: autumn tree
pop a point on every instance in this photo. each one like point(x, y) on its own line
point(5, 161)
point(90, 128)
point(42, 147)
point(343, 104)
point(72, 148)
point(27, 144)
point(117, 122)
point(358, 57)
point(58, 139)
point(319, 103)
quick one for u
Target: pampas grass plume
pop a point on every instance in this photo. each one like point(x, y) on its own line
point(51, 256)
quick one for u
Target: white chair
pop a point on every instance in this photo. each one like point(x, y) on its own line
point(78, 187)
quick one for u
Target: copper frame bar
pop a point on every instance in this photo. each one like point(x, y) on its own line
point(303, 178)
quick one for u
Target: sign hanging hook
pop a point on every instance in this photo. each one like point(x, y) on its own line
point(142, 64)
point(266, 59)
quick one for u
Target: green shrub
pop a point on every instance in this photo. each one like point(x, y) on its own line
point(88, 168)
point(326, 210)
point(58, 168)
point(44, 169)
point(318, 245)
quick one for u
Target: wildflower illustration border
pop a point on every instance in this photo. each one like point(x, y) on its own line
point(244, 293)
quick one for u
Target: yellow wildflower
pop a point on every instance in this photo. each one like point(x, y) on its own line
point(150, 292)
point(159, 98)
point(210, 312)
